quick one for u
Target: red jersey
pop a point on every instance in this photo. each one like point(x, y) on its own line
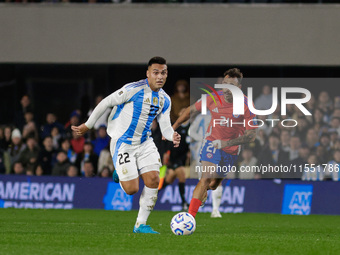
point(224, 125)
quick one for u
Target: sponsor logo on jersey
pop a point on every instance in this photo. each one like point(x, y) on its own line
point(236, 115)
point(215, 110)
point(124, 170)
point(147, 101)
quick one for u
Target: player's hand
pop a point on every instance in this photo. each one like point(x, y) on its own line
point(217, 144)
point(176, 138)
point(80, 130)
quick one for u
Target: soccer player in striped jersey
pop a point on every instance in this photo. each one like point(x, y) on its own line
point(222, 140)
point(133, 151)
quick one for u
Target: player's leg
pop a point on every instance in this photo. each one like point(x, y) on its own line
point(200, 191)
point(180, 175)
point(148, 161)
point(126, 167)
point(216, 201)
point(210, 157)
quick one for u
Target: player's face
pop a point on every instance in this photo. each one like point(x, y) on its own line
point(157, 75)
point(226, 92)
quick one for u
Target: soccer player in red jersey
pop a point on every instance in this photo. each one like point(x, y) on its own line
point(225, 134)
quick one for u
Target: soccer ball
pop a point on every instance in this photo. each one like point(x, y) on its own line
point(183, 223)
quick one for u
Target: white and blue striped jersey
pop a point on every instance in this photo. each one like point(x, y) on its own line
point(135, 106)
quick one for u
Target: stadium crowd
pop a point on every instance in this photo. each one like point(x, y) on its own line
point(313, 146)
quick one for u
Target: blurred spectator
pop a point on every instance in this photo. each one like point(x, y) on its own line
point(77, 142)
point(88, 169)
point(74, 121)
point(294, 146)
point(105, 172)
point(180, 99)
point(39, 171)
point(6, 140)
point(301, 160)
point(321, 153)
point(325, 141)
point(313, 171)
point(335, 125)
point(61, 166)
point(325, 103)
point(318, 117)
point(87, 155)
point(312, 139)
point(72, 171)
point(332, 168)
point(30, 129)
point(265, 100)
point(16, 147)
point(51, 122)
point(310, 105)
point(29, 156)
point(285, 139)
point(102, 140)
point(272, 155)
point(46, 157)
point(26, 106)
point(56, 138)
point(2, 162)
point(334, 136)
point(266, 127)
point(337, 102)
point(105, 160)
point(248, 162)
point(66, 146)
point(103, 119)
point(18, 168)
point(302, 127)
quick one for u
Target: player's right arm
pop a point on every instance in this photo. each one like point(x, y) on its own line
point(116, 98)
point(191, 111)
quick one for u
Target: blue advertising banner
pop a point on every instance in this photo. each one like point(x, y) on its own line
point(267, 196)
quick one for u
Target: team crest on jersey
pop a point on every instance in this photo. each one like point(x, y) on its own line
point(236, 115)
point(124, 170)
point(147, 101)
point(155, 101)
point(161, 102)
point(209, 155)
point(215, 110)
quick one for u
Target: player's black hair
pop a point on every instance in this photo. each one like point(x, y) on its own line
point(157, 60)
point(234, 73)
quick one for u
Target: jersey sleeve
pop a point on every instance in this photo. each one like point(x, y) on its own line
point(249, 118)
point(164, 120)
point(116, 98)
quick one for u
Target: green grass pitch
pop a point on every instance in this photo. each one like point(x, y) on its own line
point(27, 231)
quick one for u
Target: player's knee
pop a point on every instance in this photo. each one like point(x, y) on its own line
point(131, 190)
point(152, 180)
point(205, 182)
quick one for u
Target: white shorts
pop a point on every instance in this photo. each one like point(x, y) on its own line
point(130, 161)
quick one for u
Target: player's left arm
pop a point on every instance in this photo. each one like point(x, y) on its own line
point(165, 125)
point(248, 137)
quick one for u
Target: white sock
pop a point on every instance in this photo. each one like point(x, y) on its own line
point(216, 197)
point(147, 201)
